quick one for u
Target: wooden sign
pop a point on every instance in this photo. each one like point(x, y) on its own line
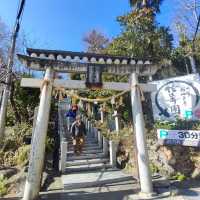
point(94, 77)
point(179, 137)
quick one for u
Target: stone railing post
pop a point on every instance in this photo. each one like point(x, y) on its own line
point(115, 115)
point(113, 151)
point(91, 130)
point(63, 139)
point(63, 155)
point(100, 139)
point(89, 127)
point(86, 123)
point(105, 146)
point(95, 132)
point(102, 116)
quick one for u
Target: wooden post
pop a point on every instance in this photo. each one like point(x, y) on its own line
point(142, 154)
point(32, 186)
point(9, 66)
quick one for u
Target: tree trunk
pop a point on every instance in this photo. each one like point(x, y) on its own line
point(13, 104)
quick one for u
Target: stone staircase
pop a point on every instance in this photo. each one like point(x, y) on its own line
point(95, 166)
point(92, 158)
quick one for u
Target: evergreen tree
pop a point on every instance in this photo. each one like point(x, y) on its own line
point(141, 37)
point(153, 4)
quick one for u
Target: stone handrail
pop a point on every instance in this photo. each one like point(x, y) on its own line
point(63, 141)
point(109, 147)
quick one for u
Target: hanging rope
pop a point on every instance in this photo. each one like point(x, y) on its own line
point(97, 99)
point(46, 82)
point(61, 92)
point(137, 87)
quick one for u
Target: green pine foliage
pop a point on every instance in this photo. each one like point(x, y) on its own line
point(178, 125)
point(141, 37)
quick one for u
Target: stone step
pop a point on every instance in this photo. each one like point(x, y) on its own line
point(87, 161)
point(85, 145)
point(86, 140)
point(94, 178)
point(85, 156)
point(87, 151)
point(87, 167)
point(86, 148)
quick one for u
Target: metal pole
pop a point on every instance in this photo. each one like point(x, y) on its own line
point(142, 154)
point(32, 186)
point(6, 91)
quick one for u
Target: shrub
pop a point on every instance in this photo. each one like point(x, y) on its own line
point(49, 144)
point(3, 187)
point(179, 176)
point(154, 168)
point(9, 159)
point(14, 139)
point(22, 155)
point(13, 150)
point(178, 125)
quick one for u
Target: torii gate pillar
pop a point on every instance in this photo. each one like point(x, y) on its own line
point(138, 121)
point(32, 186)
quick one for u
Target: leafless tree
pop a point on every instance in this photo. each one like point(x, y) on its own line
point(95, 41)
point(187, 22)
point(187, 17)
point(4, 42)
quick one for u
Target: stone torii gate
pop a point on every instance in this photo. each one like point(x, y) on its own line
point(93, 65)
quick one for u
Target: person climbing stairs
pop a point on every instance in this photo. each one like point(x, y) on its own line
point(96, 163)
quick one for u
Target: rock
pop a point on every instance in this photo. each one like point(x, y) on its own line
point(161, 157)
point(174, 191)
point(17, 182)
point(196, 173)
point(8, 172)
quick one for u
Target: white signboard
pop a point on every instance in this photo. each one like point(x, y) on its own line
point(177, 98)
point(179, 137)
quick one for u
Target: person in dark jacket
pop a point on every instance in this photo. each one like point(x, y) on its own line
point(78, 132)
point(71, 115)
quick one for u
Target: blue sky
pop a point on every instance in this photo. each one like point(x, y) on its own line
point(61, 24)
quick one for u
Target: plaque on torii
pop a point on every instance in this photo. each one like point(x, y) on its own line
point(93, 65)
